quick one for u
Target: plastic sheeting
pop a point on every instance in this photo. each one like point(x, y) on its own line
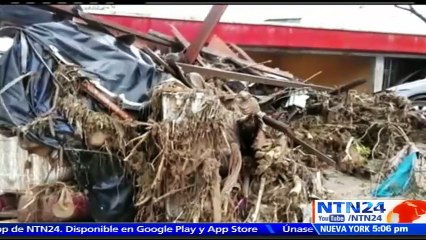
point(110, 187)
point(116, 69)
point(20, 170)
point(24, 15)
point(399, 181)
point(27, 89)
point(112, 62)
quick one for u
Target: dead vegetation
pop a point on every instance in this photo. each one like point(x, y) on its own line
point(198, 170)
point(204, 152)
point(204, 156)
point(355, 128)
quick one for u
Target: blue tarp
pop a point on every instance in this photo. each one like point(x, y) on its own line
point(399, 181)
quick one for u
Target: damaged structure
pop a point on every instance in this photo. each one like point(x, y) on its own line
point(105, 124)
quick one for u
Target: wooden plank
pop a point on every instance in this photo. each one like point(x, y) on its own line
point(241, 52)
point(219, 46)
point(210, 22)
point(185, 43)
point(159, 60)
point(162, 36)
point(181, 39)
point(244, 68)
point(348, 86)
point(263, 68)
point(260, 67)
point(228, 75)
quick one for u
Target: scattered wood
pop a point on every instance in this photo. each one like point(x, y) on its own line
point(264, 68)
point(184, 43)
point(245, 68)
point(105, 101)
point(348, 86)
point(162, 36)
point(179, 37)
point(228, 75)
point(217, 45)
point(287, 130)
point(241, 52)
point(209, 24)
point(219, 48)
point(204, 144)
point(159, 61)
point(313, 76)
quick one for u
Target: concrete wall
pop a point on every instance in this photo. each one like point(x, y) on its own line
point(336, 69)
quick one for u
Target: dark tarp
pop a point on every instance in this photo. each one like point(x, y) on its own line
point(119, 70)
point(110, 187)
point(23, 15)
point(114, 63)
point(122, 72)
point(23, 101)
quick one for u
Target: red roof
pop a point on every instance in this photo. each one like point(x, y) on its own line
point(284, 36)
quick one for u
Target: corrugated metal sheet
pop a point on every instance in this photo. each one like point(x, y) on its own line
point(20, 170)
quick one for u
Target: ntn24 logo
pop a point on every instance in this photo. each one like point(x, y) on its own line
point(408, 211)
point(393, 211)
point(351, 207)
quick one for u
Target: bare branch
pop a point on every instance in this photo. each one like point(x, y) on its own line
point(412, 10)
point(403, 8)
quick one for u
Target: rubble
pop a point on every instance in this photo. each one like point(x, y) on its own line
point(149, 137)
point(357, 127)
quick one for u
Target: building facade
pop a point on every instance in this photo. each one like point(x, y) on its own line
point(324, 55)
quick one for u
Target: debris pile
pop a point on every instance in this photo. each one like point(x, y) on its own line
point(355, 128)
point(145, 135)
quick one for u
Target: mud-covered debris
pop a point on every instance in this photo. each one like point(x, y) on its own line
point(357, 129)
point(224, 139)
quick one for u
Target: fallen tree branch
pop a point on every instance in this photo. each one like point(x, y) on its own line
point(412, 10)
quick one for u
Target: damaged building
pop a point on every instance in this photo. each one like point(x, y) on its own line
point(315, 43)
point(102, 123)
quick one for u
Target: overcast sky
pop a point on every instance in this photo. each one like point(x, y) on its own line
point(376, 18)
point(380, 18)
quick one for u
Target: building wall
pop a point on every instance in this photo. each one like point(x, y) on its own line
point(335, 69)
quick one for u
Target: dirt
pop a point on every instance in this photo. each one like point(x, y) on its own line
point(344, 186)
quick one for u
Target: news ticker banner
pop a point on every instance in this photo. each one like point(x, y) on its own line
point(333, 217)
point(204, 229)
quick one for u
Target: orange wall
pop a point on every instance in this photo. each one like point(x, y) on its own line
point(336, 69)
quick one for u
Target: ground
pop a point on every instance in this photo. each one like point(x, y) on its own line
point(350, 187)
point(346, 187)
